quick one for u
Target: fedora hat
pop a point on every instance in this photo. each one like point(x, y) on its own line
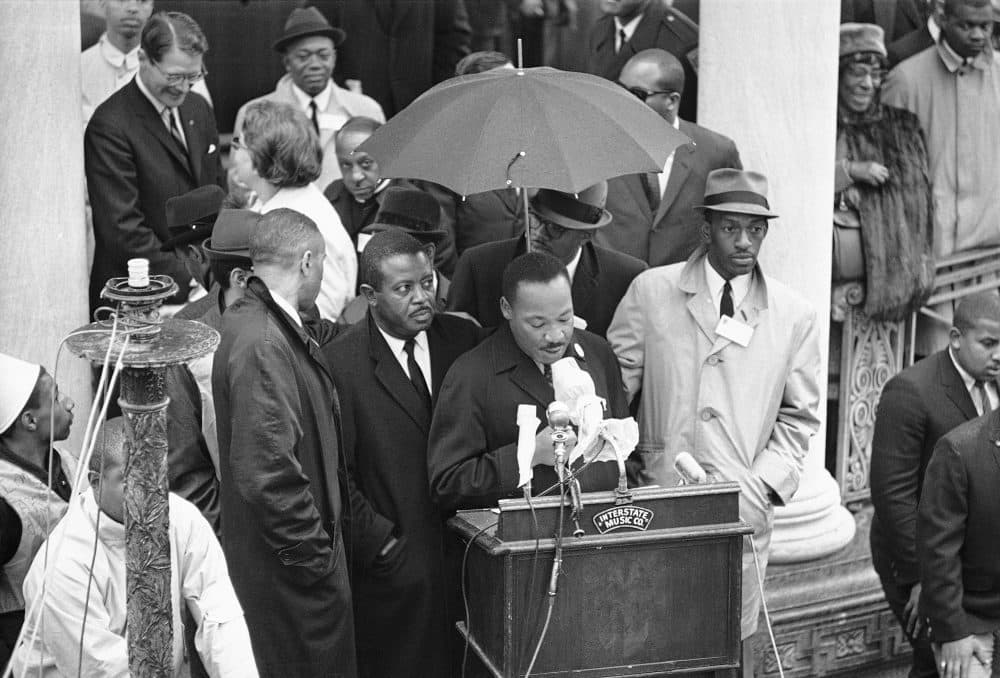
point(231, 236)
point(581, 211)
point(739, 191)
point(412, 211)
point(305, 21)
point(190, 216)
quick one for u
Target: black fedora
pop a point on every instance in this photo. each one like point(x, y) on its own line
point(190, 216)
point(305, 21)
point(583, 211)
point(410, 210)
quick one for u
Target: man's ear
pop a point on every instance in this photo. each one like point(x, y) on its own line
point(28, 421)
point(429, 250)
point(307, 262)
point(505, 308)
point(369, 293)
point(238, 278)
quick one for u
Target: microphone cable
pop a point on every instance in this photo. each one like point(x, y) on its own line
point(554, 579)
point(465, 593)
point(763, 602)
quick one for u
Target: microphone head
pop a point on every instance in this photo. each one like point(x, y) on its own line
point(558, 414)
point(689, 469)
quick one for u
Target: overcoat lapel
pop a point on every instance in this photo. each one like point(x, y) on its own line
point(390, 375)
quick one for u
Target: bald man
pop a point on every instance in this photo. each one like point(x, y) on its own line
point(87, 582)
point(654, 214)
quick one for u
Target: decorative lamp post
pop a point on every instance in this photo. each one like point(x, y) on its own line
point(154, 345)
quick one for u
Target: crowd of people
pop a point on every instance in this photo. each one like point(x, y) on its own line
point(378, 336)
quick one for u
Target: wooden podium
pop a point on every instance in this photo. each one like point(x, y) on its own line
point(651, 589)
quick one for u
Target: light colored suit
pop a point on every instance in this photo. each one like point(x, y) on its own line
point(343, 104)
point(744, 413)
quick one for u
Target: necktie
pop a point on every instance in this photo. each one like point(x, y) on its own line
point(622, 39)
point(175, 131)
point(981, 398)
point(651, 184)
point(726, 304)
point(547, 372)
point(416, 375)
point(315, 117)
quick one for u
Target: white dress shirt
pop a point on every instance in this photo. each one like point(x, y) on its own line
point(571, 266)
point(287, 307)
point(970, 383)
point(669, 164)
point(421, 353)
point(628, 29)
point(740, 285)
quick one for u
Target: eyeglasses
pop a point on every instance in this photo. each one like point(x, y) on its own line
point(862, 71)
point(236, 144)
point(175, 79)
point(643, 94)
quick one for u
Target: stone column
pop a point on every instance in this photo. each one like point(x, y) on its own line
point(768, 80)
point(43, 279)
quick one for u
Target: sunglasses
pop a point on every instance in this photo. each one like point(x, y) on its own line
point(643, 94)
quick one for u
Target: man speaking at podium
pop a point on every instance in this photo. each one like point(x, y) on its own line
point(728, 363)
point(472, 457)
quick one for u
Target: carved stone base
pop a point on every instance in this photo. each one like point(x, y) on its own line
point(814, 524)
point(830, 618)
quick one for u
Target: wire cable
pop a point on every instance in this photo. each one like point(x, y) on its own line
point(93, 557)
point(530, 625)
point(763, 602)
point(553, 584)
point(465, 594)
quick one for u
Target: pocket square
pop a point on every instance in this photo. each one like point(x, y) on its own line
point(211, 149)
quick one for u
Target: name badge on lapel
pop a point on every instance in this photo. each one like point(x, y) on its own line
point(734, 330)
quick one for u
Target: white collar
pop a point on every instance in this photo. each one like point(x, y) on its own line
point(571, 266)
point(322, 99)
point(629, 28)
point(115, 56)
point(157, 104)
point(287, 307)
point(740, 285)
point(933, 28)
point(397, 345)
point(967, 378)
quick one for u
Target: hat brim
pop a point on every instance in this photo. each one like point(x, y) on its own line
point(224, 254)
point(435, 235)
point(338, 36)
point(192, 235)
point(740, 208)
point(572, 224)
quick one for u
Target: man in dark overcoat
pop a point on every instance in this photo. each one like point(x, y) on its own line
point(151, 140)
point(957, 537)
point(472, 455)
point(280, 463)
point(397, 534)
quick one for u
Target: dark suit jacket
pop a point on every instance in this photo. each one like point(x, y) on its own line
point(481, 217)
point(917, 407)
point(133, 166)
point(385, 430)
point(660, 26)
point(601, 279)
point(672, 231)
point(896, 17)
point(908, 45)
point(281, 499)
point(958, 532)
point(472, 454)
point(398, 50)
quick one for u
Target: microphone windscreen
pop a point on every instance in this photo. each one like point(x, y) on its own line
point(558, 414)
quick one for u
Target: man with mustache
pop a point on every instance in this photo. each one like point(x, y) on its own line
point(388, 369)
point(472, 458)
point(918, 406)
point(728, 363)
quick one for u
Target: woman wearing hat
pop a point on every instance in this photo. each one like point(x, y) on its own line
point(278, 158)
point(883, 208)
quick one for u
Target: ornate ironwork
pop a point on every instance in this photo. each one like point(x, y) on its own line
point(871, 354)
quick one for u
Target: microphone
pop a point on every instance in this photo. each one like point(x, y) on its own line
point(690, 471)
point(558, 416)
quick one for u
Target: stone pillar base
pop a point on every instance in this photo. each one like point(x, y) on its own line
point(814, 524)
point(830, 617)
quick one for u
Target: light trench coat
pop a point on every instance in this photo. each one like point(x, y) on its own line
point(746, 414)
